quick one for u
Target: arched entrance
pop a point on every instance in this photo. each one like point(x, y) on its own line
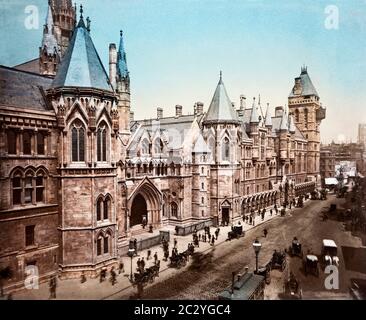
point(145, 200)
point(138, 210)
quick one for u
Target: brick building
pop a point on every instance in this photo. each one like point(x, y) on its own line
point(79, 174)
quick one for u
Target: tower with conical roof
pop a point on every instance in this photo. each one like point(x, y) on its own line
point(88, 153)
point(220, 127)
point(120, 80)
point(304, 104)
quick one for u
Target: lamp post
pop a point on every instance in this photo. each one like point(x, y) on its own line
point(131, 253)
point(257, 247)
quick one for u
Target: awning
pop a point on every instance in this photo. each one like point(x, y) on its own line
point(331, 181)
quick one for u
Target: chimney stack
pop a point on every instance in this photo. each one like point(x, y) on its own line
point(159, 113)
point(113, 64)
point(279, 111)
point(243, 102)
point(198, 108)
point(178, 110)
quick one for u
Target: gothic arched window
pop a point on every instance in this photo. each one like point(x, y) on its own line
point(145, 146)
point(306, 118)
point(158, 146)
point(12, 142)
point(174, 209)
point(226, 150)
point(102, 143)
point(297, 116)
point(78, 142)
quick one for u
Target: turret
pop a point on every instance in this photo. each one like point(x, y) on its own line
point(49, 52)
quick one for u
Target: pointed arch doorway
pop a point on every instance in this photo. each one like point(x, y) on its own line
point(138, 210)
point(145, 201)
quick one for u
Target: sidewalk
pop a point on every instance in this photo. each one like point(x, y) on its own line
point(92, 289)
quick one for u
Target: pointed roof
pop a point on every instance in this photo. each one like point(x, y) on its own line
point(221, 108)
point(268, 119)
point(81, 65)
point(49, 42)
point(122, 69)
point(307, 88)
point(284, 122)
point(254, 117)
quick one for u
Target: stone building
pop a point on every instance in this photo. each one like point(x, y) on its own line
point(79, 174)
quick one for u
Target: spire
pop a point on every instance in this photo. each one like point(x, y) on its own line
point(291, 126)
point(81, 21)
point(122, 70)
point(254, 118)
point(221, 109)
point(284, 122)
point(268, 120)
point(49, 42)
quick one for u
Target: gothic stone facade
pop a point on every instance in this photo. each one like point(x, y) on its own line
point(79, 175)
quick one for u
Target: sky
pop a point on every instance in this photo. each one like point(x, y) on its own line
point(176, 49)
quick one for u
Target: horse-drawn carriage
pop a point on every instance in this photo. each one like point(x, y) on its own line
point(265, 271)
point(236, 232)
point(295, 248)
point(179, 260)
point(278, 260)
point(329, 252)
point(292, 287)
point(147, 276)
point(310, 265)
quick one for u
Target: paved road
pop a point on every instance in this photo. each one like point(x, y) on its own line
point(210, 271)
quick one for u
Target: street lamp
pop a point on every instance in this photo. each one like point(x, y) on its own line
point(131, 253)
point(257, 247)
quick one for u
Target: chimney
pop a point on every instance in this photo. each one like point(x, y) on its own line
point(243, 102)
point(159, 113)
point(113, 64)
point(178, 110)
point(198, 108)
point(132, 116)
point(279, 111)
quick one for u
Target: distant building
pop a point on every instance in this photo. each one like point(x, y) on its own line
point(362, 134)
point(336, 154)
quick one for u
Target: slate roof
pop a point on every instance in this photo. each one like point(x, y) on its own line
point(23, 89)
point(221, 108)
point(307, 86)
point(81, 65)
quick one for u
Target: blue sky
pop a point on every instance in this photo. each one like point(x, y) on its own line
point(175, 50)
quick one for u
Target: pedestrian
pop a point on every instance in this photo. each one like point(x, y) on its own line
point(121, 267)
point(216, 234)
point(175, 242)
point(262, 215)
point(270, 212)
point(113, 277)
point(250, 220)
point(176, 229)
point(148, 255)
point(199, 237)
point(155, 257)
point(213, 240)
point(135, 245)
point(83, 278)
point(265, 232)
point(53, 286)
point(102, 274)
point(142, 264)
point(166, 255)
point(138, 264)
